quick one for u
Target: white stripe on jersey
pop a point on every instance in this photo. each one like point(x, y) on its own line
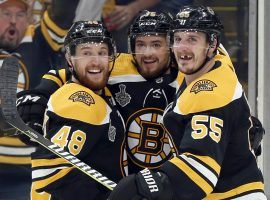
point(38, 173)
point(125, 78)
point(202, 169)
point(238, 91)
point(60, 40)
point(16, 151)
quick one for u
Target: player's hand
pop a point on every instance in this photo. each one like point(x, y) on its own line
point(120, 17)
point(31, 105)
point(146, 185)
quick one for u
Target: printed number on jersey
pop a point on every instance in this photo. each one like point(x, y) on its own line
point(74, 144)
point(201, 130)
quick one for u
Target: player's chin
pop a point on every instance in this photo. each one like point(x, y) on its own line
point(95, 86)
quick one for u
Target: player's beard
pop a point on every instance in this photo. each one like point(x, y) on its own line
point(93, 84)
point(159, 68)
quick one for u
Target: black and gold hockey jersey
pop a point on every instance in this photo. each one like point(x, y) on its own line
point(41, 49)
point(210, 122)
point(90, 128)
point(141, 103)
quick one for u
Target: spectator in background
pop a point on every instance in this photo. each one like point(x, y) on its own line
point(120, 15)
point(89, 10)
point(39, 49)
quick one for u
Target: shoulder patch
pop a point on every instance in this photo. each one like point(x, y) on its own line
point(203, 85)
point(82, 96)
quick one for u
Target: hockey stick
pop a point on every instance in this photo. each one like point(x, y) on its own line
point(8, 113)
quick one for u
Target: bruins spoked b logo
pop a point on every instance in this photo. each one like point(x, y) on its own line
point(148, 142)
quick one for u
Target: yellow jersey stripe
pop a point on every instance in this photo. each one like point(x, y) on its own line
point(48, 162)
point(62, 75)
point(11, 141)
point(54, 79)
point(53, 26)
point(207, 161)
point(239, 190)
point(15, 160)
point(43, 183)
point(196, 178)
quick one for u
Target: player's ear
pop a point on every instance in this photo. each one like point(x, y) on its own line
point(68, 58)
point(212, 46)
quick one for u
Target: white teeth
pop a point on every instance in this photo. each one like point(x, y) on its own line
point(94, 71)
point(149, 61)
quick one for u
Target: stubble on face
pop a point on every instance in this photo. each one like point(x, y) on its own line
point(152, 55)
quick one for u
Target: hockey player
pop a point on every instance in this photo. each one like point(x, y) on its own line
point(143, 84)
point(81, 117)
point(210, 121)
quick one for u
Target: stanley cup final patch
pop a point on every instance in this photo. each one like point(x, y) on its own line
point(203, 85)
point(122, 97)
point(82, 96)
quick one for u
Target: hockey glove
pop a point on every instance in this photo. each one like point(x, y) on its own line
point(31, 105)
point(256, 135)
point(146, 185)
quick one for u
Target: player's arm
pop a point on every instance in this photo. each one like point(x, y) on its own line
point(62, 12)
point(56, 21)
point(31, 104)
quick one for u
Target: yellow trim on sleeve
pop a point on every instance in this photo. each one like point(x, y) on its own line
point(12, 141)
point(63, 75)
point(45, 182)
point(208, 161)
point(48, 162)
point(53, 26)
point(236, 191)
point(38, 196)
point(15, 160)
point(196, 178)
point(54, 79)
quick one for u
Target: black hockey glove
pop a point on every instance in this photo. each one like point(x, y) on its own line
point(256, 135)
point(31, 105)
point(146, 185)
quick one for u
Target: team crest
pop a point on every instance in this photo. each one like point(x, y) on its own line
point(122, 97)
point(203, 85)
point(82, 96)
point(148, 142)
